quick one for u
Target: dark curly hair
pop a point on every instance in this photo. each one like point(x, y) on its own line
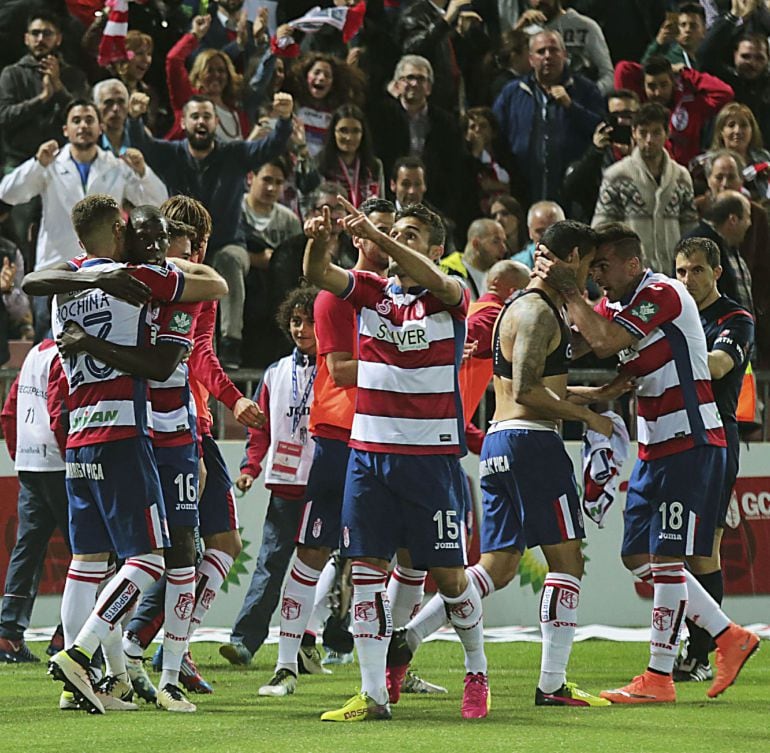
point(301, 298)
point(348, 83)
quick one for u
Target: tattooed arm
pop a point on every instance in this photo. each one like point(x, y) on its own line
point(533, 329)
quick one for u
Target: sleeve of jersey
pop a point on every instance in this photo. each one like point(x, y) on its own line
point(363, 288)
point(258, 440)
point(175, 324)
point(8, 418)
point(204, 364)
point(460, 311)
point(57, 412)
point(480, 326)
point(736, 339)
point(165, 284)
point(333, 324)
point(654, 306)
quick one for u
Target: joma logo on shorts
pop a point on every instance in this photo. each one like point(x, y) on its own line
point(97, 418)
point(496, 464)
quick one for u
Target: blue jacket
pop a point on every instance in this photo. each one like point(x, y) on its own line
point(514, 109)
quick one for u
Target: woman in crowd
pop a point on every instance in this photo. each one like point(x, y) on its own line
point(347, 156)
point(508, 212)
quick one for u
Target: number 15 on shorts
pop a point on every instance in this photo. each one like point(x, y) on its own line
point(447, 529)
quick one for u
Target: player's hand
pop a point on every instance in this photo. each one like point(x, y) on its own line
point(356, 223)
point(138, 104)
point(555, 272)
point(244, 482)
point(600, 424)
point(47, 152)
point(560, 95)
point(620, 385)
point(120, 283)
point(200, 26)
point(71, 339)
point(135, 160)
point(283, 104)
point(319, 228)
point(601, 137)
point(469, 348)
point(7, 273)
point(248, 413)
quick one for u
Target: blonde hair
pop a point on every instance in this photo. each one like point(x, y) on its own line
point(232, 91)
point(735, 110)
point(135, 40)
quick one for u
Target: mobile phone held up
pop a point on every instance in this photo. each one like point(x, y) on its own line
point(621, 129)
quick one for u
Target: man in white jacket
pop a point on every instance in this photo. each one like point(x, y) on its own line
point(61, 177)
point(649, 191)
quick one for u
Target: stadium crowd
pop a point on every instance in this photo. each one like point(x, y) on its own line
point(404, 167)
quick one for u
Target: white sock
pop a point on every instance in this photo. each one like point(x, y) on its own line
point(406, 588)
point(426, 622)
point(466, 617)
point(372, 627)
point(296, 607)
point(114, 658)
point(80, 587)
point(178, 607)
point(136, 575)
point(321, 608)
point(668, 611)
point(481, 579)
point(212, 572)
point(558, 619)
point(702, 609)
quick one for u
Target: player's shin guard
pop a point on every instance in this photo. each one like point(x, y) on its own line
point(80, 587)
point(406, 588)
point(558, 619)
point(668, 612)
point(321, 607)
point(212, 572)
point(296, 608)
point(179, 601)
point(465, 614)
point(372, 627)
point(137, 574)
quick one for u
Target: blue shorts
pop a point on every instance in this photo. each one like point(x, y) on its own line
point(393, 499)
point(217, 510)
point(671, 506)
point(115, 499)
point(320, 524)
point(731, 473)
point(528, 492)
point(178, 470)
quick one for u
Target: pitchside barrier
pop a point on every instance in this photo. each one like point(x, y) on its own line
point(609, 595)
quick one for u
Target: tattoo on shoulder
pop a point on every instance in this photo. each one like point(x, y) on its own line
point(534, 328)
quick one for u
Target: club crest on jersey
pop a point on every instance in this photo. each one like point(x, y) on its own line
point(645, 311)
point(181, 322)
point(365, 611)
point(290, 608)
point(384, 307)
point(662, 618)
point(184, 605)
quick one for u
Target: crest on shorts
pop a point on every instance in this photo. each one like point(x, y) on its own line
point(645, 311)
point(181, 322)
point(365, 611)
point(463, 610)
point(184, 605)
point(662, 618)
point(317, 526)
point(290, 609)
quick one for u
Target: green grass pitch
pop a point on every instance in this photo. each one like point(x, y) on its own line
point(234, 719)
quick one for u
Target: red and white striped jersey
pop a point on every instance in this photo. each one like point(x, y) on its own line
point(409, 349)
point(676, 406)
point(106, 404)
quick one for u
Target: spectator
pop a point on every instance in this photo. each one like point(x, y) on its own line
point(213, 172)
point(679, 36)
point(726, 223)
point(541, 215)
point(15, 313)
point(485, 247)
point(321, 83)
point(693, 98)
point(60, 177)
point(748, 54)
point(611, 142)
point(649, 191)
point(736, 128)
point(212, 75)
point(413, 125)
point(132, 72)
point(510, 60)
point(111, 100)
point(508, 212)
point(35, 91)
point(547, 119)
point(347, 157)
point(586, 46)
